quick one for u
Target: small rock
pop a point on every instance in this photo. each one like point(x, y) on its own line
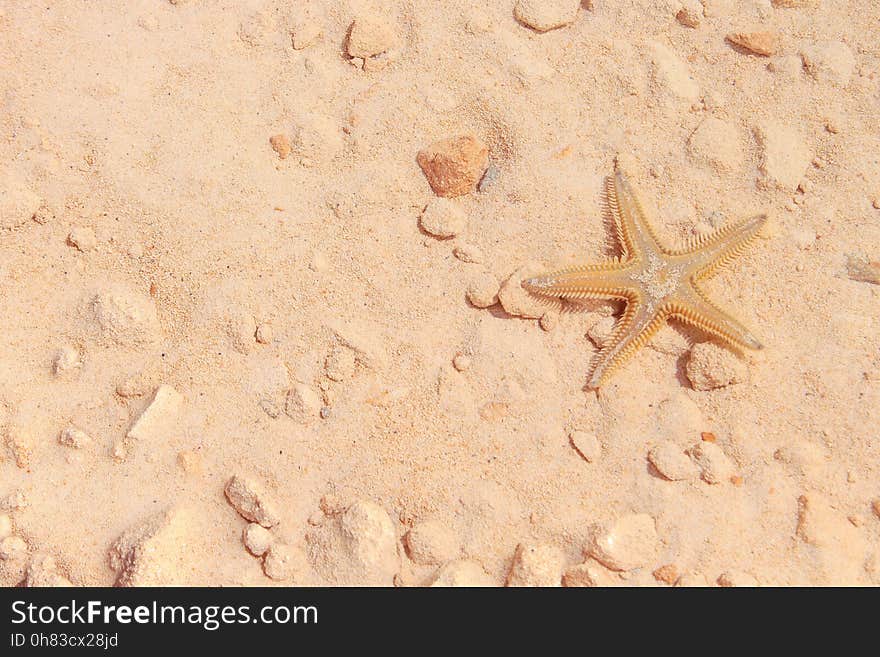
point(763, 43)
point(158, 417)
point(66, 360)
point(373, 40)
point(43, 572)
point(516, 300)
point(588, 574)
point(12, 548)
point(829, 62)
point(863, 269)
point(482, 291)
point(153, 553)
point(455, 165)
point(303, 403)
point(628, 543)
point(265, 334)
point(190, 462)
point(784, 156)
point(73, 437)
point(737, 578)
point(667, 574)
point(673, 74)
point(586, 444)
point(21, 443)
point(536, 565)
point(305, 33)
point(468, 253)
point(126, 318)
point(696, 580)
point(690, 14)
point(443, 218)
point(431, 542)
point(601, 331)
point(241, 327)
point(711, 366)
point(249, 498)
point(82, 238)
point(671, 462)
point(715, 466)
point(257, 539)
point(280, 144)
point(461, 362)
point(283, 562)
point(546, 15)
point(462, 574)
point(718, 144)
point(340, 363)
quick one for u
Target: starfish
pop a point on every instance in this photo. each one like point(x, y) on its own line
point(656, 282)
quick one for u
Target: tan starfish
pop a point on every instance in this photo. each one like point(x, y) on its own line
point(655, 282)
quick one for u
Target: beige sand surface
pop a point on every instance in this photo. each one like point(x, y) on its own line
point(181, 306)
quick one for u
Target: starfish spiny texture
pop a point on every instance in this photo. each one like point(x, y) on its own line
point(655, 282)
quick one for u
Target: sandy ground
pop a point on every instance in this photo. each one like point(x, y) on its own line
point(198, 332)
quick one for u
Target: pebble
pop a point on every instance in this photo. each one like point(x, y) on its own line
point(443, 218)
point(372, 40)
point(764, 43)
point(12, 548)
point(340, 363)
point(82, 238)
point(241, 327)
point(546, 15)
point(690, 14)
point(673, 74)
point(126, 318)
point(462, 574)
point(601, 331)
point(461, 362)
point(737, 578)
point(718, 144)
point(282, 562)
point(317, 140)
point(549, 320)
point(482, 291)
point(667, 574)
point(536, 565)
point(190, 462)
point(305, 33)
point(280, 144)
point(21, 443)
point(671, 462)
point(468, 253)
point(862, 269)
point(455, 165)
point(18, 204)
point(249, 498)
point(303, 404)
point(5, 525)
point(711, 366)
point(586, 444)
point(628, 543)
point(265, 334)
point(697, 580)
point(73, 437)
point(358, 547)
point(67, 359)
point(432, 543)
point(715, 466)
point(153, 552)
point(829, 62)
point(784, 155)
point(588, 574)
point(257, 539)
point(516, 300)
point(157, 418)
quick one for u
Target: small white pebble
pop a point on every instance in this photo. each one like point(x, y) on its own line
point(586, 444)
point(483, 289)
point(461, 362)
point(265, 334)
point(66, 360)
point(443, 217)
point(82, 238)
point(257, 539)
point(73, 437)
point(12, 548)
point(715, 466)
point(671, 462)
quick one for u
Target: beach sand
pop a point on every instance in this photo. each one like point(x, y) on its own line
point(241, 335)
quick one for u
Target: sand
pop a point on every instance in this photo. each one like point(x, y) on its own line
point(248, 340)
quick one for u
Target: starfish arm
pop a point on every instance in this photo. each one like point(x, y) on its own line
point(693, 307)
point(633, 230)
point(711, 252)
point(638, 323)
point(600, 281)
